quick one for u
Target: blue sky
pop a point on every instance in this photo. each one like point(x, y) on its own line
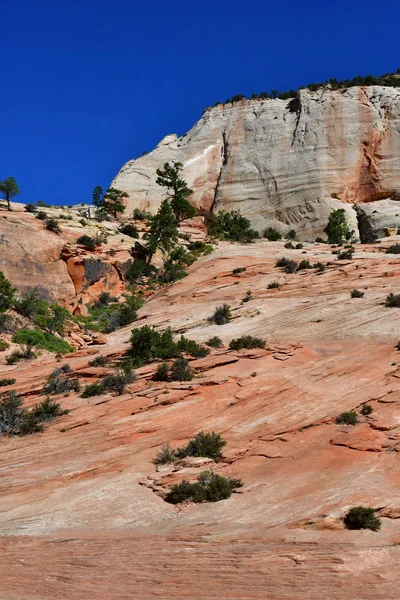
point(87, 85)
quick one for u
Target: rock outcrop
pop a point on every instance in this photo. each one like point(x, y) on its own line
point(283, 163)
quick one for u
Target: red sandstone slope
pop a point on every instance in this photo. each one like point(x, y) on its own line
point(82, 510)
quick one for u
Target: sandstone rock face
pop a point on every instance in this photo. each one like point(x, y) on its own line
point(283, 163)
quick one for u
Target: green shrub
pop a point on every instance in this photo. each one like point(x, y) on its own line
point(139, 268)
point(41, 215)
point(3, 345)
point(51, 224)
point(273, 285)
point(299, 246)
point(162, 372)
point(180, 370)
point(319, 266)
point(130, 230)
point(30, 208)
point(247, 342)
point(392, 300)
point(238, 270)
point(166, 455)
point(46, 315)
point(289, 245)
point(86, 241)
point(41, 339)
point(320, 240)
point(147, 345)
point(304, 264)
point(204, 444)
point(193, 348)
point(7, 381)
point(347, 418)
point(394, 249)
point(141, 215)
point(98, 361)
point(357, 294)
point(291, 234)
point(366, 409)
point(231, 226)
point(208, 488)
point(272, 234)
point(24, 353)
point(360, 517)
point(247, 297)
point(216, 342)
point(289, 266)
point(221, 315)
point(6, 293)
point(47, 410)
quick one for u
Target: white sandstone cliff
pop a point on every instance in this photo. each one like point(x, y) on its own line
point(283, 163)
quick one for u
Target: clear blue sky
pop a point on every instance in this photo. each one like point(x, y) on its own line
point(88, 84)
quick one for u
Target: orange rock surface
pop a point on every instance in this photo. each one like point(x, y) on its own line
point(82, 510)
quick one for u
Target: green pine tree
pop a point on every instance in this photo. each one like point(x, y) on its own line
point(178, 191)
point(163, 231)
point(8, 189)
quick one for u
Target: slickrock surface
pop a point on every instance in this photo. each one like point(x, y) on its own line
point(284, 163)
point(82, 509)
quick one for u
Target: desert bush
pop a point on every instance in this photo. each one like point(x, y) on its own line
point(139, 268)
point(289, 266)
point(193, 348)
point(394, 249)
point(347, 418)
point(366, 409)
point(360, 517)
point(320, 240)
point(41, 215)
point(130, 230)
point(299, 245)
point(47, 410)
point(273, 285)
point(289, 245)
point(3, 345)
point(216, 342)
point(180, 370)
point(110, 383)
point(319, 266)
point(147, 345)
point(98, 361)
point(87, 241)
point(7, 381)
point(162, 372)
point(357, 294)
point(141, 215)
point(60, 382)
point(246, 341)
point(392, 300)
point(208, 488)
point(11, 411)
point(203, 444)
point(238, 270)
point(7, 323)
point(30, 208)
point(166, 455)
point(345, 255)
point(51, 224)
point(304, 264)
point(221, 315)
point(272, 234)
point(291, 234)
point(247, 297)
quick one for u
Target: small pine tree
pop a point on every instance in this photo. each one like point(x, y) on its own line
point(8, 189)
point(337, 229)
point(163, 232)
point(112, 202)
point(178, 191)
point(6, 293)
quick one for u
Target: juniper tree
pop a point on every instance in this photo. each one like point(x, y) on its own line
point(178, 191)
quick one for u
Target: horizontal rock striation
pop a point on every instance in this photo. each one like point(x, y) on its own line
point(283, 163)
